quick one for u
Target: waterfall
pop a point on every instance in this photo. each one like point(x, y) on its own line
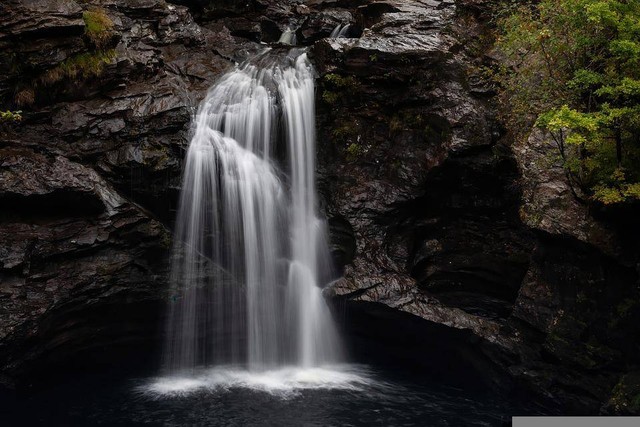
point(288, 36)
point(250, 250)
point(340, 31)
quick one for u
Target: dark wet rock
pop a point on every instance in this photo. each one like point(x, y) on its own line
point(70, 244)
point(41, 17)
point(343, 243)
point(577, 306)
point(37, 35)
point(381, 335)
point(455, 225)
point(26, 174)
point(406, 157)
point(321, 24)
point(388, 133)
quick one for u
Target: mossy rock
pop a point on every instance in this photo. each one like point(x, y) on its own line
point(79, 67)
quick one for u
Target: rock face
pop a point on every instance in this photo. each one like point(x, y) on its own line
point(580, 293)
point(72, 249)
point(455, 223)
point(89, 177)
point(440, 223)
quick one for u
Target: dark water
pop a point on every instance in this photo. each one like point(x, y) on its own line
point(374, 398)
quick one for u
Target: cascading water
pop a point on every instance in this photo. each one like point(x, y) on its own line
point(288, 36)
point(250, 249)
point(340, 31)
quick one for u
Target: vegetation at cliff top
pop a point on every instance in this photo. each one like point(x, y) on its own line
point(574, 70)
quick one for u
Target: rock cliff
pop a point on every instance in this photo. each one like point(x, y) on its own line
point(437, 215)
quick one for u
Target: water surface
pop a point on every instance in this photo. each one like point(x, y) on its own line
point(346, 395)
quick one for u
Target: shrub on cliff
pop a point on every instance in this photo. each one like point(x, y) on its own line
point(574, 70)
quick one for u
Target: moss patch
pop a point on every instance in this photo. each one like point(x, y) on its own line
point(340, 88)
point(354, 150)
point(78, 67)
point(98, 27)
point(10, 116)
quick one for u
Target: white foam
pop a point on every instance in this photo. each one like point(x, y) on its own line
point(284, 382)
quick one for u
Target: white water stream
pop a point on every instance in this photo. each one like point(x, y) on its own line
point(250, 252)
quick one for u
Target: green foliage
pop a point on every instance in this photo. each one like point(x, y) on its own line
point(574, 70)
point(98, 27)
point(354, 150)
point(10, 116)
point(330, 97)
point(339, 88)
point(85, 65)
point(348, 83)
point(347, 134)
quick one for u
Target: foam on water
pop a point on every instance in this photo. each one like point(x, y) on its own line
point(283, 382)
